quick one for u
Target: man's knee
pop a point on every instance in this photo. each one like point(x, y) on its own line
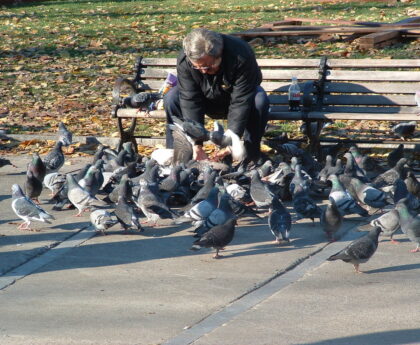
point(171, 104)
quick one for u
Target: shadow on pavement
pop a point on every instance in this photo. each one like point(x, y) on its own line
point(396, 269)
point(405, 336)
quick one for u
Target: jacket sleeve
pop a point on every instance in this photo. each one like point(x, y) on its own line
point(191, 97)
point(243, 95)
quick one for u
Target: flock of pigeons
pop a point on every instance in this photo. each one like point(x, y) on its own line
point(125, 188)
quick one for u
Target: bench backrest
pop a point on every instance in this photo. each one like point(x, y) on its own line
point(347, 88)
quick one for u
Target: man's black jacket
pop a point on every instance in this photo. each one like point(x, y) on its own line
point(234, 85)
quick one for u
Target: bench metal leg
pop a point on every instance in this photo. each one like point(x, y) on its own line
point(127, 135)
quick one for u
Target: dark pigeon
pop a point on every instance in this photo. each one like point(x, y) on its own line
point(279, 221)
point(413, 185)
point(360, 250)
point(127, 215)
point(389, 177)
point(32, 186)
point(331, 220)
point(54, 160)
point(304, 206)
point(217, 237)
point(395, 155)
point(404, 130)
point(37, 167)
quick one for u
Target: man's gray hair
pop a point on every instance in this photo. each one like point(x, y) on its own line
point(201, 42)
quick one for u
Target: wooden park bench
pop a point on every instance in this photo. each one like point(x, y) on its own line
point(332, 89)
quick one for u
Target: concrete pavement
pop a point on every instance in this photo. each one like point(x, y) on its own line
point(150, 289)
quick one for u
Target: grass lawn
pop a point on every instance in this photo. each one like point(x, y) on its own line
point(60, 58)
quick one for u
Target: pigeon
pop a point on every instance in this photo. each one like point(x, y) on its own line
point(325, 171)
point(153, 206)
point(304, 206)
point(127, 216)
point(90, 181)
point(54, 181)
point(54, 160)
point(413, 185)
point(360, 250)
point(218, 216)
point(37, 166)
point(27, 210)
point(368, 195)
point(183, 148)
point(279, 221)
point(78, 196)
point(217, 136)
point(389, 177)
point(171, 182)
point(343, 200)
point(352, 169)
point(203, 209)
point(404, 130)
point(370, 167)
point(259, 191)
point(331, 220)
point(32, 186)
point(395, 155)
point(102, 220)
point(218, 237)
point(265, 169)
point(300, 179)
point(124, 188)
point(410, 224)
point(389, 223)
point(64, 135)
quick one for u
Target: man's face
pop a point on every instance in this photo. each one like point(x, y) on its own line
point(207, 64)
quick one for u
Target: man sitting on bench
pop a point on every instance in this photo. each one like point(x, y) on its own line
point(218, 75)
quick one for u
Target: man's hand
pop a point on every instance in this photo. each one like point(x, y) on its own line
point(219, 155)
point(198, 153)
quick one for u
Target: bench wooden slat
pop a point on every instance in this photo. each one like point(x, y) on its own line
point(373, 75)
point(345, 116)
point(373, 63)
point(402, 110)
point(282, 74)
point(351, 109)
point(362, 87)
point(369, 100)
point(275, 63)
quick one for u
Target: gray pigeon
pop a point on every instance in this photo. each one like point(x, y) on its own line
point(404, 130)
point(360, 250)
point(183, 148)
point(331, 220)
point(279, 221)
point(389, 223)
point(410, 224)
point(343, 200)
point(64, 135)
point(54, 181)
point(102, 220)
point(78, 196)
point(90, 181)
point(27, 210)
point(300, 179)
point(203, 209)
point(32, 186)
point(389, 177)
point(218, 216)
point(127, 216)
point(217, 237)
point(153, 206)
point(54, 160)
point(259, 191)
point(368, 195)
